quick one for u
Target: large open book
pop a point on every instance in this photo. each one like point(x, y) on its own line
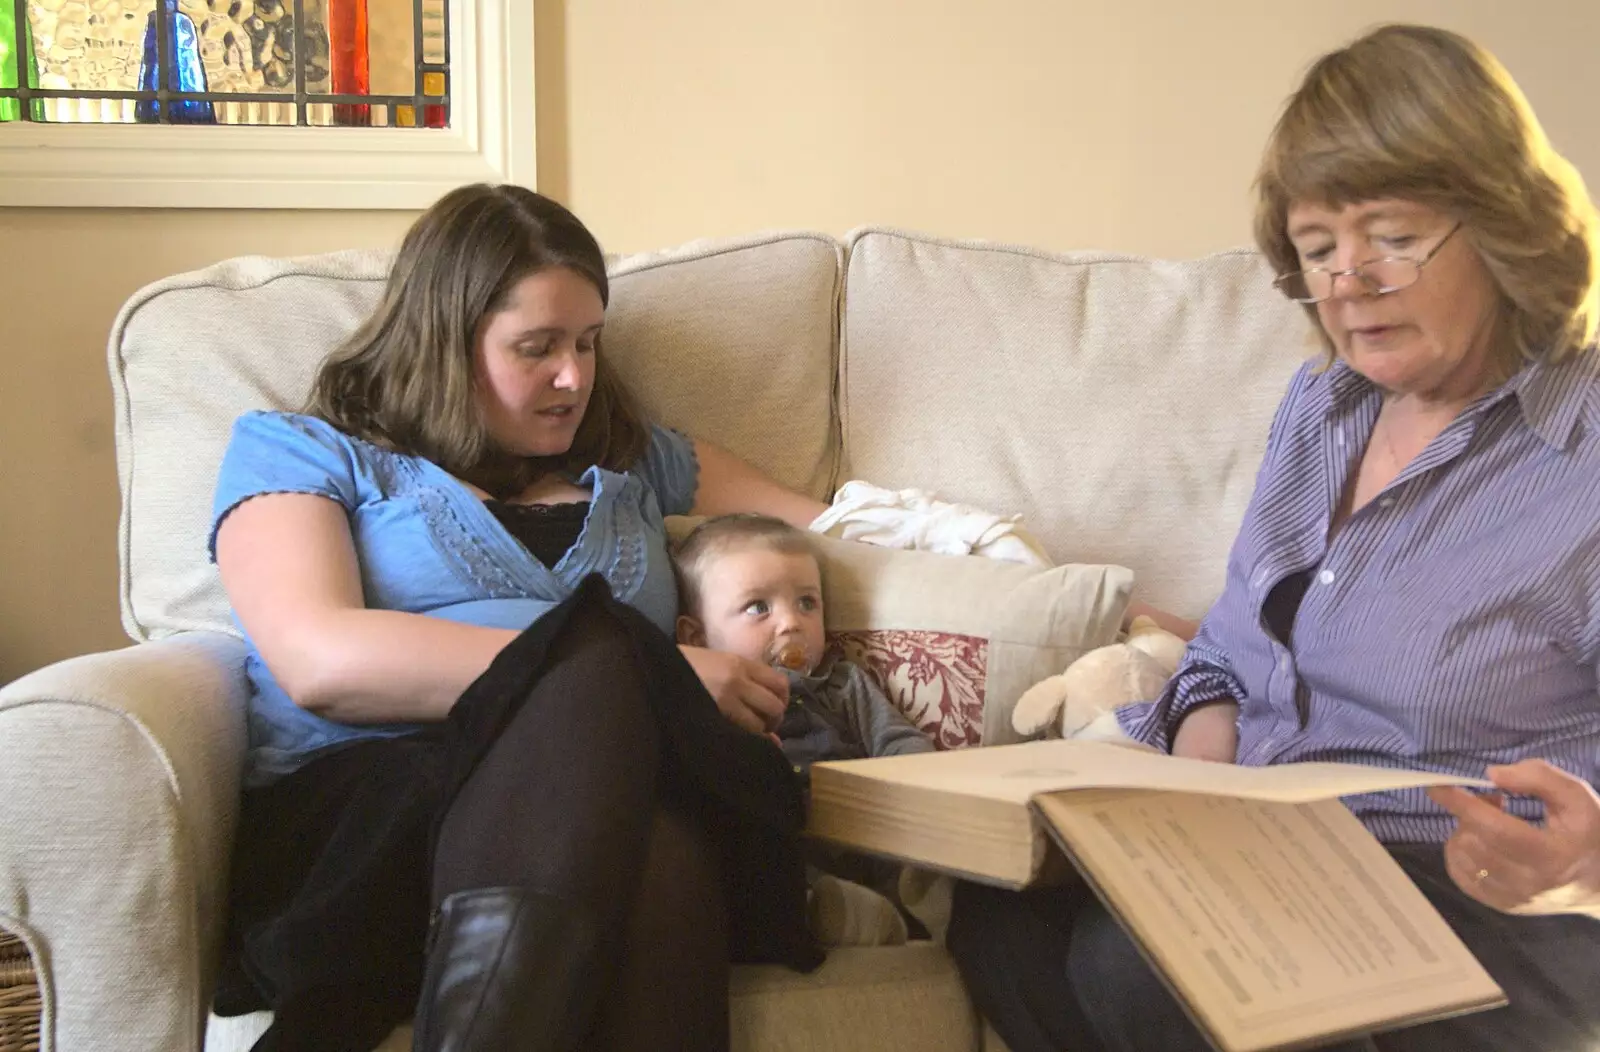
point(1276, 919)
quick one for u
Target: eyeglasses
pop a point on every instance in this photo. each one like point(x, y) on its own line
point(1378, 276)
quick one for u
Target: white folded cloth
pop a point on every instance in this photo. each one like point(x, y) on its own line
point(913, 518)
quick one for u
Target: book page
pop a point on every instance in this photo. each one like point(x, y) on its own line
point(1277, 924)
point(1019, 772)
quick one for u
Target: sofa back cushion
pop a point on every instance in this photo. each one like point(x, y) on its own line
point(1120, 405)
point(733, 341)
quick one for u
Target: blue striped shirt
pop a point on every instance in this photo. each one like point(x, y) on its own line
point(1453, 622)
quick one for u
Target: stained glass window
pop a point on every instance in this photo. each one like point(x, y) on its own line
point(354, 63)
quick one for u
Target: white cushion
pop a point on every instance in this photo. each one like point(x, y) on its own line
point(733, 340)
point(1119, 404)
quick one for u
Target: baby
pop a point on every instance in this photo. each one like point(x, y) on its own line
point(751, 585)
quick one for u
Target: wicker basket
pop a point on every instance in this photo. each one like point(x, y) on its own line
point(19, 997)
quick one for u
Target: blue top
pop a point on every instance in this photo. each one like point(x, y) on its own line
point(1451, 623)
point(427, 545)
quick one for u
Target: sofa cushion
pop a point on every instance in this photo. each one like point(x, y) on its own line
point(870, 999)
point(1119, 404)
point(736, 342)
point(731, 340)
point(877, 999)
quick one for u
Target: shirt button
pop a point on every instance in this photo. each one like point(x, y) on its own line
point(1284, 663)
point(1326, 577)
point(1386, 502)
point(1339, 438)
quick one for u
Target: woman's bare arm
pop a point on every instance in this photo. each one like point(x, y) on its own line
point(289, 566)
point(1170, 622)
point(727, 484)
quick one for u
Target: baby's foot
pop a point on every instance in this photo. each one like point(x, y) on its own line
point(844, 913)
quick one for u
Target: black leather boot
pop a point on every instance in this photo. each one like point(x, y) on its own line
point(509, 970)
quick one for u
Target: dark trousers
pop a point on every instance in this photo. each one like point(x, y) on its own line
point(1052, 971)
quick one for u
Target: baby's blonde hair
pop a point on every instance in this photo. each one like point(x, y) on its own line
point(728, 533)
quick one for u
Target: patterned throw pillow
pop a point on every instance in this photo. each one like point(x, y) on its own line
point(954, 640)
point(935, 678)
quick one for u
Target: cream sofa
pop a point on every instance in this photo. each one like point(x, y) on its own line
point(1119, 404)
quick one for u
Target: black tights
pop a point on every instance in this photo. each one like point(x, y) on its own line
point(331, 884)
point(578, 766)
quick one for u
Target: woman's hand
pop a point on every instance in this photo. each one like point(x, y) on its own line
point(749, 695)
point(1209, 733)
point(1514, 865)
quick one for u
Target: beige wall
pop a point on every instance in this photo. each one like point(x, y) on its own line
point(1130, 126)
point(66, 272)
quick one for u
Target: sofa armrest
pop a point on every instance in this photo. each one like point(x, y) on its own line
point(119, 784)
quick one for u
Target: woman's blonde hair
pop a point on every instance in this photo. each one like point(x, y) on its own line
point(1425, 115)
point(406, 379)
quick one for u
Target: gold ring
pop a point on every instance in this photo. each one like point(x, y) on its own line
point(1481, 876)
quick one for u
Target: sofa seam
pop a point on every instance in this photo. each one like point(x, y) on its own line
point(654, 260)
point(836, 366)
point(1084, 258)
point(855, 983)
point(139, 725)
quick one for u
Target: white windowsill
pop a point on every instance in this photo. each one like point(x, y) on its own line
point(491, 139)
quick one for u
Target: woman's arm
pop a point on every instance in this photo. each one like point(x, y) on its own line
point(1206, 732)
point(1197, 714)
point(1210, 732)
point(727, 484)
point(289, 565)
point(1183, 628)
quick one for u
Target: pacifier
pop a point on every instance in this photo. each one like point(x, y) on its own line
point(792, 656)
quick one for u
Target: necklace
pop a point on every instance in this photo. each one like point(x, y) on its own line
point(1388, 442)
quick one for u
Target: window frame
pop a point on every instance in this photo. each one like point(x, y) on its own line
point(491, 138)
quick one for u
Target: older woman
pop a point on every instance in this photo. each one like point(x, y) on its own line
point(1417, 579)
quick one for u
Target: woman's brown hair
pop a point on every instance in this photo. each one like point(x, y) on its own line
point(1425, 115)
point(405, 379)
